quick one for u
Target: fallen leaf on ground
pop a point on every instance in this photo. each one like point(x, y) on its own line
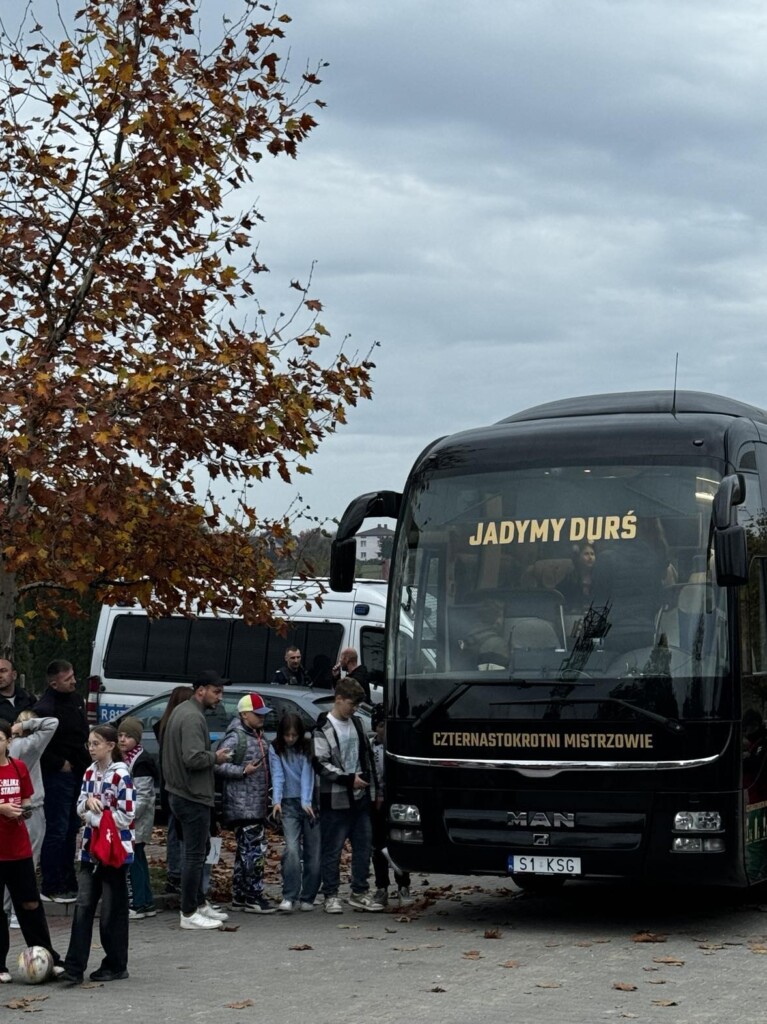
point(586, 944)
point(509, 963)
point(757, 947)
point(624, 986)
point(648, 937)
point(240, 1005)
point(710, 945)
point(229, 928)
point(493, 933)
point(300, 949)
point(403, 919)
point(548, 984)
point(657, 981)
point(664, 1002)
point(437, 988)
point(393, 931)
point(405, 949)
point(672, 961)
point(472, 954)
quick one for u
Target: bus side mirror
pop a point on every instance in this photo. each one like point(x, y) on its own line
point(731, 556)
point(730, 547)
point(343, 561)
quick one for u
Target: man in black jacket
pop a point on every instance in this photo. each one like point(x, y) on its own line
point(63, 764)
point(13, 699)
point(293, 673)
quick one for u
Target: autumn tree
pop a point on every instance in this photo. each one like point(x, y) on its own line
point(140, 382)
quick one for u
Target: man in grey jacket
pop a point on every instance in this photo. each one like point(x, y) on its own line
point(343, 760)
point(187, 766)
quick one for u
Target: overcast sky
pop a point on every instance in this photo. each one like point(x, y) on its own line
point(540, 199)
point(522, 201)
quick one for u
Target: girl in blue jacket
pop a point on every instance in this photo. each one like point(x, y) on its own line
point(293, 792)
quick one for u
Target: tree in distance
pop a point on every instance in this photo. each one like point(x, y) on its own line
point(140, 383)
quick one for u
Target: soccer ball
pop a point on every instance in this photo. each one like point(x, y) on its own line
point(35, 965)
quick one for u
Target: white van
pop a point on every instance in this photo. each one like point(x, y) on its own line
point(135, 657)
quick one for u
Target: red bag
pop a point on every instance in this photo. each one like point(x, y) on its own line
point(106, 845)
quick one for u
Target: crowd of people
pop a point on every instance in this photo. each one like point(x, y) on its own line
point(77, 808)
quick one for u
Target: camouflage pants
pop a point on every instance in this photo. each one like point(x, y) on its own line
point(248, 877)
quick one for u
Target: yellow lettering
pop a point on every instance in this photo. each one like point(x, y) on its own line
point(491, 534)
point(612, 525)
point(629, 524)
point(522, 525)
point(507, 532)
point(556, 526)
point(477, 538)
point(594, 528)
point(539, 530)
point(577, 528)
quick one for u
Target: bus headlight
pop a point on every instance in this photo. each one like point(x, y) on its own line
point(406, 813)
point(406, 835)
point(698, 821)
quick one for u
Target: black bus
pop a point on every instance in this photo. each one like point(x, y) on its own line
point(576, 668)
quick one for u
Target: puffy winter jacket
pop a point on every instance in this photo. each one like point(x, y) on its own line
point(246, 797)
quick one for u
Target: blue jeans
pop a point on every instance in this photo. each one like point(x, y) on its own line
point(301, 859)
point(57, 856)
point(335, 828)
point(110, 885)
point(193, 821)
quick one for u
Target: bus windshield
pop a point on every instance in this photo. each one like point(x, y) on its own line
point(599, 575)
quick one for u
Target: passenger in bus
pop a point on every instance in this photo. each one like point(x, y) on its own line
point(577, 587)
point(485, 644)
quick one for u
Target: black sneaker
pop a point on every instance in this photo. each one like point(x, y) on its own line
point(259, 905)
point(69, 979)
point(172, 888)
point(59, 897)
point(104, 974)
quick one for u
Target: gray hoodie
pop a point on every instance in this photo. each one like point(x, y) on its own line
point(37, 734)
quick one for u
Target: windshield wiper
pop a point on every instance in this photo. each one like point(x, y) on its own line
point(668, 723)
point(448, 699)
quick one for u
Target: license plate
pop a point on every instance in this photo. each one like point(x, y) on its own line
point(545, 865)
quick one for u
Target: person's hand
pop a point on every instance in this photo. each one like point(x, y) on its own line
point(250, 767)
point(359, 782)
point(66, 767)
point(223, 756)
point(276, 811)
point(309, 811)
point(94, 804)
point(10, 810)
point(17, 729)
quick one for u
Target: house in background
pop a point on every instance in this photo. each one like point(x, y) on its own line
point(371, 542)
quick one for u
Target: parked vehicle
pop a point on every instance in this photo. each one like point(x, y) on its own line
point(135, 657)
point(307, 704)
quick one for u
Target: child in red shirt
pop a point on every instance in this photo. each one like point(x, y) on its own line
point(17, 871)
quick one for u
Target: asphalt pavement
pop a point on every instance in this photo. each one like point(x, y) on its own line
point(469, 949)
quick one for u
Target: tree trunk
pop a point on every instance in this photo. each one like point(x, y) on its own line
point(9, 597)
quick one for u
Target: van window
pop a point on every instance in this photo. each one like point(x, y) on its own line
point(372, 654)
point(176, 649)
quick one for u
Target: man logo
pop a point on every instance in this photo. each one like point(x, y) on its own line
point(537, 819)
point(540, 839)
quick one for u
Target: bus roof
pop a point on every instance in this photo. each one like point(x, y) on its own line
point(621, 403)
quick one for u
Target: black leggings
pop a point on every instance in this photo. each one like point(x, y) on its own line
point(18, 876)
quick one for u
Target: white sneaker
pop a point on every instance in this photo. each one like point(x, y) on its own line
point(306, 907)
point(287, 906)
point(333, 905)
point(215, 915)
point(198, 922)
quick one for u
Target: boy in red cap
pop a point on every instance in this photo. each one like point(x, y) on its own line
point(246, 802)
